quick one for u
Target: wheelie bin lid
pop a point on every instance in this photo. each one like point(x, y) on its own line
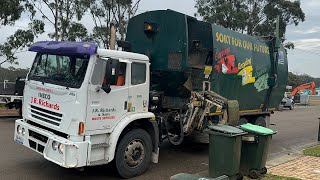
point(257, 129)
point(225, 130)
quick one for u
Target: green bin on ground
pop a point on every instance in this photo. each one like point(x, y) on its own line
point(225, 151)
point(254, 151)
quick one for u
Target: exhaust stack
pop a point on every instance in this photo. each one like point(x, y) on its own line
point(113, 36)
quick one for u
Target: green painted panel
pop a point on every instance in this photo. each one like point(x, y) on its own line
point(180, 46)
point(242, 67)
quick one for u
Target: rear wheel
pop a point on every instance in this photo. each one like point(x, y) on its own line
point(133, 154)
point(261, 121)
point(243, 121)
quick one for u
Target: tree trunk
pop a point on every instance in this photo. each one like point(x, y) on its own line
point(56, 35)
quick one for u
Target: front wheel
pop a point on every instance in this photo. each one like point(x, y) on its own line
point(133, 154)
point(292, 106)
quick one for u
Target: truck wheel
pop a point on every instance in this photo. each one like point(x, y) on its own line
point(243, 121)
point(133, 154)
point(260, 121)
point(291, 107)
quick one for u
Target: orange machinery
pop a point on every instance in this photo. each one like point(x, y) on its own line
point(311, 86)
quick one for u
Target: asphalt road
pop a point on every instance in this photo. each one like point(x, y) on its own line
point(296, 129)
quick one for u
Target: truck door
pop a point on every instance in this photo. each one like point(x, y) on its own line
point(105, 109)
point(139, 87)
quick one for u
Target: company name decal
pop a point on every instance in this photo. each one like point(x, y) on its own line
point(45, 103)
point(44, 89)
point(103, 114)
point(103, 118)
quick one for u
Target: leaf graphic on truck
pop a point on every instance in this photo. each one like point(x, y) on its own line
point(262, 83)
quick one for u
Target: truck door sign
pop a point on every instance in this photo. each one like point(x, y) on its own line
point(44, 95)
point(103, 114)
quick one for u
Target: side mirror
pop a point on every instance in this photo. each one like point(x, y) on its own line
point(106, 88)
point(112, 68)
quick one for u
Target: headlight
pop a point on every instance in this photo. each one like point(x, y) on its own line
point(61, 148)
point(23, 131)
point(19, 129)
point(55, 145)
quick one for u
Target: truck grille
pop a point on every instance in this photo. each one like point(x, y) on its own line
point(46, 115)
point(38, 136)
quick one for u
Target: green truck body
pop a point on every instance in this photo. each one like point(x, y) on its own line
point(252, 70)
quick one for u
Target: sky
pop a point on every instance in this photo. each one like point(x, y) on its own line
point(304, 59)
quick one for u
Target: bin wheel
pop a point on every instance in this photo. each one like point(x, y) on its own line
point(263, 171)
point(243, 121)
point(254, 174)
point(240, 176)
point(261, 121)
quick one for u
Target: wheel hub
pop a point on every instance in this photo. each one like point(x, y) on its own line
point(134, 153)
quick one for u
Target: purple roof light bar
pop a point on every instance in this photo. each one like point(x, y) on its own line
point(64, 48)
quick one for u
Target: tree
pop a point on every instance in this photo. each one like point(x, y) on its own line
point(61, 14)
point(105, 12)
point(10, 11)
point(19, 40)
point(254, 17)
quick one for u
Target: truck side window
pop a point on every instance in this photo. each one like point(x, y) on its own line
point(121, 76)
point(121, 79)
point(138, 73)
point(99, 72)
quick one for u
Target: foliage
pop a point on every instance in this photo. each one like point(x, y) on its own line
point(64, 16)
point(61, 14)
point(313, 151)
point(254, 17)
point(105, 12)
point(10, 11)
point(296, 80)
point(19, 40)
point(12, 73)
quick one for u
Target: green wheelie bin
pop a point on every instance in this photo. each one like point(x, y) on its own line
point(254, 151)
point(225, 151)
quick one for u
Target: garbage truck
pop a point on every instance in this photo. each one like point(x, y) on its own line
point(88, 106)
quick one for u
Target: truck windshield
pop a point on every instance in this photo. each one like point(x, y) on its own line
point(66, 71)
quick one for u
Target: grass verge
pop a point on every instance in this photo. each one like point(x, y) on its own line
point(313, 151)
point(274, 177)
point(2, 106)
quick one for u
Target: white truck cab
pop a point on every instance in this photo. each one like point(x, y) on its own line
point(85, 106)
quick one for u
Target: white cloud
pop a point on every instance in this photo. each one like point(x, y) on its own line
point(309, 31)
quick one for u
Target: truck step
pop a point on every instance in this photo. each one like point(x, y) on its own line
point(98, 162)
point(100, 145)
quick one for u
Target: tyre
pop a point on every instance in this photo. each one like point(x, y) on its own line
point(243, 121)
point(133, 154)
point(291, 107)
point(254, 174)
point(261, 121)
point(263, 171)
point(240, 176)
